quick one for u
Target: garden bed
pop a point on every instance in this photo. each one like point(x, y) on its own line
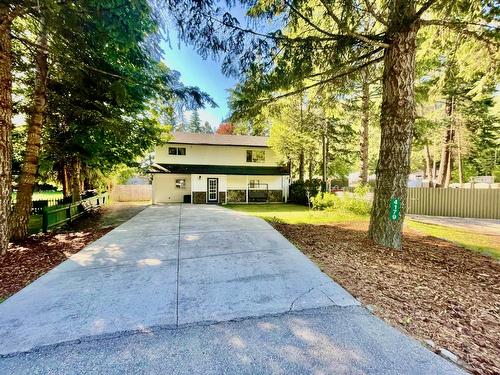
point(433, 289)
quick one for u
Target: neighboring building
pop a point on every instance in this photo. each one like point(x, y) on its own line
point(415, 179)
point(212, 168)
point(138, 180)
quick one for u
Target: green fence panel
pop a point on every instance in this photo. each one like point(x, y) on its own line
point(56, 216)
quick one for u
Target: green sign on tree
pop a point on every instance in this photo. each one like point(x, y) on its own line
point(394, 209)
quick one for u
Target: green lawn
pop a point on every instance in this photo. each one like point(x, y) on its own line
point(296, 214)
point(469, 239)
point(41, 195)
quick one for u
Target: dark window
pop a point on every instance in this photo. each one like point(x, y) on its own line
point(256, 156)
point(177, 151)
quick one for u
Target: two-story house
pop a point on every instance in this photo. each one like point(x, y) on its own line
point(211, 168)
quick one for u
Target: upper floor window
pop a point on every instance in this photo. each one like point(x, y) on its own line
point(177, 151)
point(256, 156)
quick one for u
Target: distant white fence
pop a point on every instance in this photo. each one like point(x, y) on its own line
point(130, 193)
point(474, 203)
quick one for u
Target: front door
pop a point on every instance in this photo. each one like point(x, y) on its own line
point(212, 190)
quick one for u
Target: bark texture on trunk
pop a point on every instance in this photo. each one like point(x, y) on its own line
point(428, 162)
point(64, 178)
point(311, 166)
point(301, 166)
point(325, 161)
point(75, 180)
point(365, 121)
point(396, 121)
point(5, 125)
point(447, 140)
point(27, 178)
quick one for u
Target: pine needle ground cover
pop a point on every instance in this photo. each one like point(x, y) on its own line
point(432, 289)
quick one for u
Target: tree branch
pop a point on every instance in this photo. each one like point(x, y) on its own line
point(328, 80)
point(307, 20)
point(374, 13)
point(353, 34)
point(274, 37)
point(424, 7)
point(460, 27)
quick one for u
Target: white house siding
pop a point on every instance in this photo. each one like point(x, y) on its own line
point(214, 155)
point(165, 191)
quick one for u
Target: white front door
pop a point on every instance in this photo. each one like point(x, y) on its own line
point(212, 190)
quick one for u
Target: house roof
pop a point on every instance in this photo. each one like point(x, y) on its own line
point(218, 139)
point(218, 169)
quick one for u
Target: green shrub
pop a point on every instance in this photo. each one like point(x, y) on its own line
point(299, 189)
point(323, 201)
point(330, 202)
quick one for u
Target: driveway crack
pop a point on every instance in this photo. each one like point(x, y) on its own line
point(306, 293)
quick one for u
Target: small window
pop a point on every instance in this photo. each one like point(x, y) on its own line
point(256, 156)
point(177, 151)
point(180, 183)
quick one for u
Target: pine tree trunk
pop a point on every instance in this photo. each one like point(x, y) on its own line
point(325, 162)
point(365, 122)
point(311, 166)
point(459, 157)
point(64, 180)
point(5, 125)
point(449, 167)
point(75, 180)
point(27, 178)
point(446, 145)
point(428, 162)
point(396, 121)
point(301, 166)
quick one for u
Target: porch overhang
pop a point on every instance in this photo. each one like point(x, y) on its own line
point(218, 169)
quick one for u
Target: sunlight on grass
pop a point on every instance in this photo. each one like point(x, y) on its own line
point(296, 214)
point(42, 195)
point(483, 243)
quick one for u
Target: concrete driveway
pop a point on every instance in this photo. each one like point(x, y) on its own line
point(179, 282)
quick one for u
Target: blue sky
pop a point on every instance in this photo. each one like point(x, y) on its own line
point(206, 74)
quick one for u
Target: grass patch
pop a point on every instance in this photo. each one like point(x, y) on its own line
point(296, 214)
point(470, 240)
point(42, 195)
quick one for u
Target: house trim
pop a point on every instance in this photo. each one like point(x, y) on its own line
point(219, 169)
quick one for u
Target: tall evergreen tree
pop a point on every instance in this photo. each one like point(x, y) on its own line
point(207, 128)
point(195, 123)
point(323, 42)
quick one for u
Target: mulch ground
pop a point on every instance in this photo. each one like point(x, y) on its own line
point(432, 289)
point(27, 260)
